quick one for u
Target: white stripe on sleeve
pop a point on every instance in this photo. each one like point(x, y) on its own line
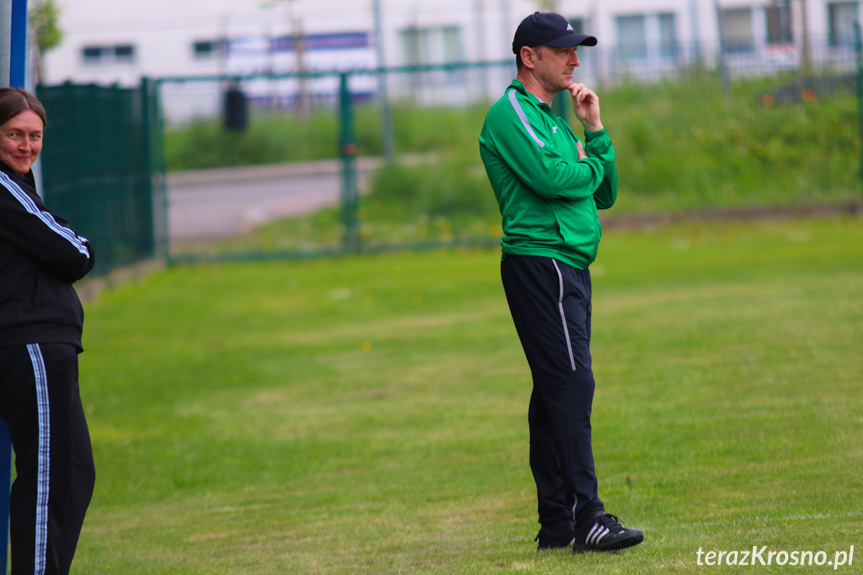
point(46, 217)
point(513, 99)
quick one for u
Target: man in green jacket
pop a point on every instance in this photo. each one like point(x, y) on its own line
point(549, 186)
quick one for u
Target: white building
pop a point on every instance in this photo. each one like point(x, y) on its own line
point(118, 41)
point(111, 41)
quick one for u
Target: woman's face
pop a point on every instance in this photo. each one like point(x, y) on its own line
point(21, 141)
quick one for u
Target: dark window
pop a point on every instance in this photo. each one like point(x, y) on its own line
point(206, 48)
point(577, 25)
point(432, 45)
point(668, 47)
point(125, 53)
point(92, 53)
point(779, 24)
point(122, 53)
point(842, 16)
point(737, 30)
point(631, 36)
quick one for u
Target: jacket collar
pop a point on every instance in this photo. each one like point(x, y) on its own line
point(519, 87)
point(28, 177)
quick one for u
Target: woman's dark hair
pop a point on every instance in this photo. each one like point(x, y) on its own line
point(13, 101)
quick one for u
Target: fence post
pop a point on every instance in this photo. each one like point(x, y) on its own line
point(386, 113)
point(724, 79)
point(154, 131)
point(17, 78)
point(561, 104)
point(348, 153)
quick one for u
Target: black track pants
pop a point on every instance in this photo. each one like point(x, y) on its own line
point(40, 402)
point(550, 304)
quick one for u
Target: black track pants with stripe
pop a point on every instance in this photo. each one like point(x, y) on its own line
point(550, 304)
point(41, 404)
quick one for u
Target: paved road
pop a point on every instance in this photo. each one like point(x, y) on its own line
point(213, 204)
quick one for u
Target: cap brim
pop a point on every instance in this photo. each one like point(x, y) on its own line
point(571, 40)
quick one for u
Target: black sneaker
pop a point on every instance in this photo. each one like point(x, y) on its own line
point(550, 539)
point(605, 533)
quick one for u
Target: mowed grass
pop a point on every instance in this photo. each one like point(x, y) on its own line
point(368, 414)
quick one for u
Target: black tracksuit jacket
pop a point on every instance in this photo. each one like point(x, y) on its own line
point(40, 258)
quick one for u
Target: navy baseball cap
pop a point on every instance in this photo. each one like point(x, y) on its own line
point(548, 29)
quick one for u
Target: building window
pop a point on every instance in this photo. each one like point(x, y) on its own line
point(92, 54)
point(577, 25)
point(632, 38)
point(98, 55)
point(205, 49)
point(414, 45)
point(451, 44)
point(641, 36)
point(668, 47)
point(779, 24)
point(125, 53)
point(438, 45)
point(842, 16)
point(737, 31)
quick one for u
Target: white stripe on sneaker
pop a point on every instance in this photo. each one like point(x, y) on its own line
point(596, 534)
point(599, 536)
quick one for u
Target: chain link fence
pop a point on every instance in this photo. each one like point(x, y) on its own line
point(297, 165)
point(97, 168)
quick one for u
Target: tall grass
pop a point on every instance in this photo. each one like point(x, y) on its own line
point(680, 144)
point(691, 145)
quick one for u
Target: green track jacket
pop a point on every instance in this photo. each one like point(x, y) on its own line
point(548, 197)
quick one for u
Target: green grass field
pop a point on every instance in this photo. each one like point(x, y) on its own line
point(368, 414)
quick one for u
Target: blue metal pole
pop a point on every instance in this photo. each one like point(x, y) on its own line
point(18, 53)
point(17, 79)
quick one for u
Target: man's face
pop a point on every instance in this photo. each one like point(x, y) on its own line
point(553, 67)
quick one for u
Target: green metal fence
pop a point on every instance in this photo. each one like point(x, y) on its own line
point(300, 165)
point(331, 179)
point(263, 210)
point(97, 168)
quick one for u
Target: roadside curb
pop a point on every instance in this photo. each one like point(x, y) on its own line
point(263, 172)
